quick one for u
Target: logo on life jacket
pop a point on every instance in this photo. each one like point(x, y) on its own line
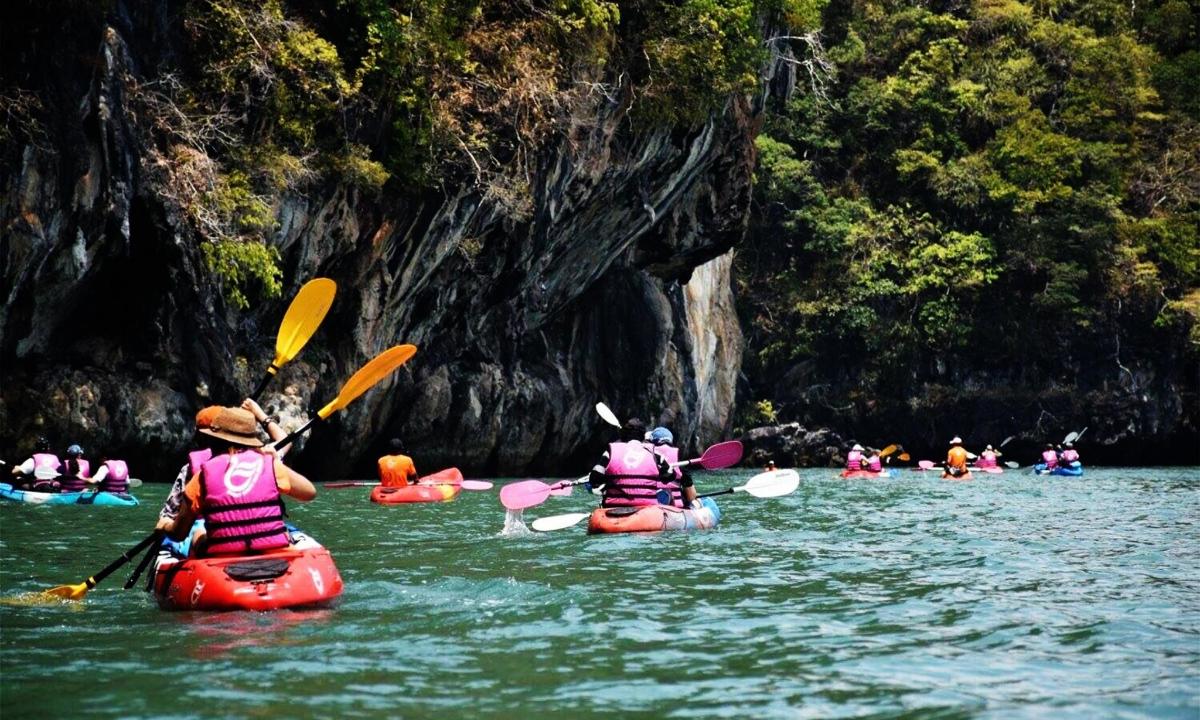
point(243, 472)
point(633, 455)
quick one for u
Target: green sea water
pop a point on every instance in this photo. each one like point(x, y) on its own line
point(1009, 596)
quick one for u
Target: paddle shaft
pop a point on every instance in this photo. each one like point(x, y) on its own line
point(125, 557)
point(296, 434)
point(262, 384)
point(141, 568)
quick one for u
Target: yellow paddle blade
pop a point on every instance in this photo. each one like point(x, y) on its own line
point(53, 595)
point(303, 317)
point(888, 450)
point(904, 457)
point(380, 367)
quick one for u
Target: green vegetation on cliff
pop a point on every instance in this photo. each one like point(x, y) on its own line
point(989, 184)
point(383, 96)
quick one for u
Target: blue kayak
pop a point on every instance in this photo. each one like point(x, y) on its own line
point(1075, 469)
point(86, 497)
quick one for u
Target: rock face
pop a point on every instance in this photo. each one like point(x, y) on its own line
point(792, 445)
point(615, 288)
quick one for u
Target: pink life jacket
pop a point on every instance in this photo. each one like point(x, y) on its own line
point(74, 471)
point(987, 459)
point(196, 460)
point(1050, 458)
point(854, 460)
point(117, 479)
point(240, 503)
point(1069, 456)
point(875, 464)
point(45, 466)
point(633, 478)
point(670, 453)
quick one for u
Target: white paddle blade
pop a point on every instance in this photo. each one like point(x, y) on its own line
point(1071, 437)
point(558, 522)
point(772, 484)
point(135, 482)
point(607, 415)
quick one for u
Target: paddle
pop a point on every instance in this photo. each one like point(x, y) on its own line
point(889, 450)
point(367, 376)
point(529, 493)
point(925, 465)
point(607, 415)
point(76, 592)
point(772, 483)
point(769, 484)
point(721, 455)
point(465, 484)
point(1012, 464)
point(300, 321)
point(558, 522)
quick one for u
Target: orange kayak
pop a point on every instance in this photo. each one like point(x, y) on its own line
point(439, 487)
point(964, 476)
point(302, 575)
point(654, 518)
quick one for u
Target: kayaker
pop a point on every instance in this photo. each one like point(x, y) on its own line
point(956, 458)
point(770, 466)
point(39, 473)
point(633, 434)
point(663, 441)
point(1069, 455)
point(237, 493)
point(987, 458)
point(854, 458)
point(202, 454)
point(74, 471)
point(1049, 457)
point(871, 461)
point(397, 469)
point(111, 476)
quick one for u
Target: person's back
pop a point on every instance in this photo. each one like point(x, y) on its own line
point(40, 471)
point(987, 458)
point(397, 469)
point(1069, 455)
point(854, 458)
point(112, 476)
point(74, 471)
point(872, 462)
point(237, 492)
point(1049, 457)
point(956, 458)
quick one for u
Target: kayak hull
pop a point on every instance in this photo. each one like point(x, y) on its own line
point(654, 518)
point(1075, 469)
point(300, 576)
point(441, 486)
point(865, 474)
point(87, 497)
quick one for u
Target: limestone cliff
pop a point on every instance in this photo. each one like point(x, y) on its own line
point(614, 287)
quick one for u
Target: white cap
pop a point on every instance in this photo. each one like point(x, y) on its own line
point(858, 448)
point(989, 447)
point(956, 441)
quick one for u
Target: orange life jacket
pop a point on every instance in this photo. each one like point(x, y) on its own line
point(957, 458)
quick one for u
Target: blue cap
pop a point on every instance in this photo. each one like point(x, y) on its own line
point(661, 436)
point(74, 450)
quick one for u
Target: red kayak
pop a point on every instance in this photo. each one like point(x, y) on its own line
point(302, 575)
point(866, 474)
point(439, 487)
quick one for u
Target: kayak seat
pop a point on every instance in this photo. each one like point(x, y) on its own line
point(621, 511)
point(252, 570)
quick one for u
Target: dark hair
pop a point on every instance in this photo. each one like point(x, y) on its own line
point(634, 430)
point(396, 445)
point(41, 445)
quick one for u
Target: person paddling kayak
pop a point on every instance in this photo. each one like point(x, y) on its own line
point(237, 492)
point(663, 441)
point(397, 469)
point(39, 472)
point(75, 471)
point(631, 473)
point(854, 458)
point(956, 460)
point(987, 458)
point(202, 454)
point(112, 476)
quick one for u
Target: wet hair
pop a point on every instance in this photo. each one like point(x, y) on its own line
point(634, 430)
point(396, 445)
point(1049, 446)
point(41, 445)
